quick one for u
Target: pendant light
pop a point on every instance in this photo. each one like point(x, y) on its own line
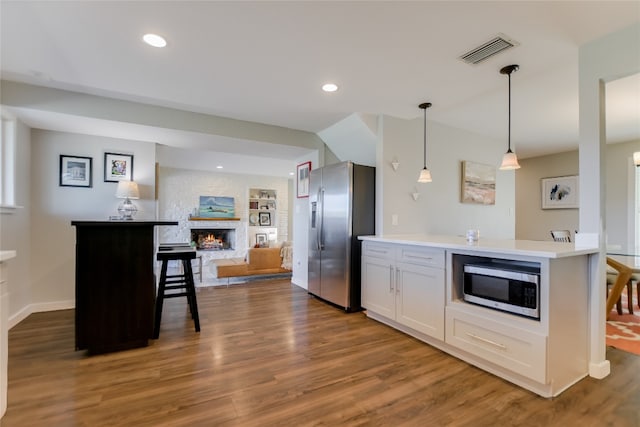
point(425, 175)
point(509, 160)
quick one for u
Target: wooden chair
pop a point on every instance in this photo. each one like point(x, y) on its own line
point(561, 236)
point(612, 277)
point(622, 279)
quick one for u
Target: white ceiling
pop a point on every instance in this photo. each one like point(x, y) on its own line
point(265, 62)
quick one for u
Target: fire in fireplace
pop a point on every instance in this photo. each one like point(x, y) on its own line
point(213, 239)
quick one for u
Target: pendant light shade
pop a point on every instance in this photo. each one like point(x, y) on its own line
point(425, 175)
point(509, 160)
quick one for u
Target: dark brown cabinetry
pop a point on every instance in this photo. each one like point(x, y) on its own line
point(115, 284)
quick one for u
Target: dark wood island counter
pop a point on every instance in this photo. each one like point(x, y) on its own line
point(115, 284)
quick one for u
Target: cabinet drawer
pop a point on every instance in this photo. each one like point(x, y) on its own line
point(378, 250)
point(521, 351)
point(422, 256)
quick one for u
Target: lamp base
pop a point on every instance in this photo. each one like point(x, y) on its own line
point(127, 210)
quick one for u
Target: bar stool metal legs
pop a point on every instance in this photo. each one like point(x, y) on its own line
point(176, 285)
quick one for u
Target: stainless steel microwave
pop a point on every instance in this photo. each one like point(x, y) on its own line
point(513, 288)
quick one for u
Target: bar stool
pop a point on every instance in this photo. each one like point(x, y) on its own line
point(176, 282)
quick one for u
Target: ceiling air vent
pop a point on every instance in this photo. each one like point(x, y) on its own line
point(487, 50)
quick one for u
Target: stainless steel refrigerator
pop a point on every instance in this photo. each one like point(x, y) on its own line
point(342, 207)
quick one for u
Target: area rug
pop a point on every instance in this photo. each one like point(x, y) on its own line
point(623, 330)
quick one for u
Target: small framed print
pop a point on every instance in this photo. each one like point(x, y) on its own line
point(261, 239)
point(303, 179)
point(265, 218)
point(118, 167)
point(75, 171)
point(560, 192)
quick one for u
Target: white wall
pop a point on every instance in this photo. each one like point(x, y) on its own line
point(438, 209)
point(54, 207)
point(608, 58)
point(15, 230)
point(300, 214)
point(620, 197)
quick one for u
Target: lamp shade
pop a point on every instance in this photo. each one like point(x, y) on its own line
point(425, 175)
point(127, 190)
point(636, 158)
point(509, 161)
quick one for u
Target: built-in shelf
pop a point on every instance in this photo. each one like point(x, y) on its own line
point(198, 218)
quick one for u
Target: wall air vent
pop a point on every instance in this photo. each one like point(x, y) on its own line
point(487, 50)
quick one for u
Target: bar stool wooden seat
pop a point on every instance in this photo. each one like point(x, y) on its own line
point(176, 285)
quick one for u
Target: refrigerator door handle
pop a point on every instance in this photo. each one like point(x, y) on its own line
point(319, 234)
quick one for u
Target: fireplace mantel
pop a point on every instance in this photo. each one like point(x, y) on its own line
point(197, 218)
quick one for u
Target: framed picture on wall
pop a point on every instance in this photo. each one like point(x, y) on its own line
point(302, 179)
point(118, 167)
point(265, 218)
point(478, 183)
point(261, 239)
point(75, 171)
point(560, 192)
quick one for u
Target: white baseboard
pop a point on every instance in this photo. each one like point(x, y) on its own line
point(40, 308)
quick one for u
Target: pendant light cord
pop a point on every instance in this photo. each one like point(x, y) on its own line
point(509, 136)
point(425, 137)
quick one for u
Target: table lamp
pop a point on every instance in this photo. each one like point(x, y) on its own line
point(127, 190)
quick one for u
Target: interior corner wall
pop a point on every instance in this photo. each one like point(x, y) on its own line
point(533, 222)
point(605, 59)
point(15, 230)
point(438, 209)
point(54, 207)
point(300, 276)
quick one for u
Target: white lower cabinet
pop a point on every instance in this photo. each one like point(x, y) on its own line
point(405, 284)
point(518, 350)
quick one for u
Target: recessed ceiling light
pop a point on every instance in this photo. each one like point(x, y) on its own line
point(329, 87)
point(219, 167)
point(154, 40)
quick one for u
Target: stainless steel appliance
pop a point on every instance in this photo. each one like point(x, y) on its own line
point(342, 207)
point(511, 287)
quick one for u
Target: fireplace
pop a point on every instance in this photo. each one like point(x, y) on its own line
point(214, 239)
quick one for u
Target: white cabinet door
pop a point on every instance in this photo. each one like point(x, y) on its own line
point(378, 286)
point(420, 298)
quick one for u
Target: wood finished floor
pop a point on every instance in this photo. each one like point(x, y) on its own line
point(270, 355)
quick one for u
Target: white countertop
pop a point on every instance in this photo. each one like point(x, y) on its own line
point(543, 249)
point(7, 255)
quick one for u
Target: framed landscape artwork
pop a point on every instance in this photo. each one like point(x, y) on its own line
point(478, 183)
point(560, 192)
point(216, 207)
point(75, 171)
point(118, 167)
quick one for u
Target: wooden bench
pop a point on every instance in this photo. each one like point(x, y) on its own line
point(259, 261)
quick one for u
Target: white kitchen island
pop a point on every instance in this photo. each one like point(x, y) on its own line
point(4, 334)
point(414, 284)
